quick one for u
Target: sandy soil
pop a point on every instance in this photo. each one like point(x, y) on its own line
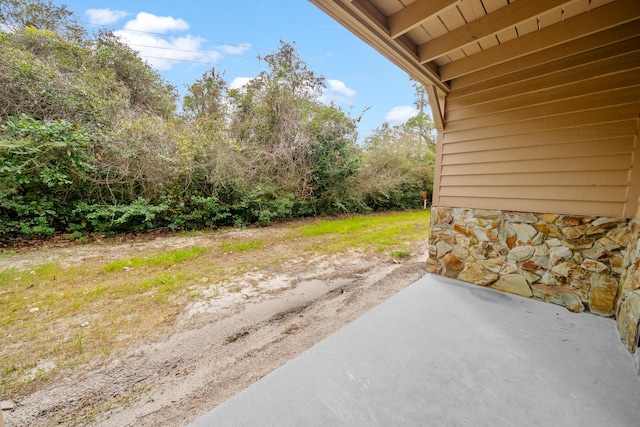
point(221, 344)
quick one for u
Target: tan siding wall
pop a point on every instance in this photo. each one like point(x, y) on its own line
point(547, 140)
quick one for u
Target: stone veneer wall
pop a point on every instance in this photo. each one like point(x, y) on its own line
point(628, 310)
point(581, 262)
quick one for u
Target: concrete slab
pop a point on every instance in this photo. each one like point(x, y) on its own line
point(445, 353)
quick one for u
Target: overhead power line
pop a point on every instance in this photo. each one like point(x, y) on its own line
point(184, 50)
point(178, 60)
point(165, 35)
point(213, 42)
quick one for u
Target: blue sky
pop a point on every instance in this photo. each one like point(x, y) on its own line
point(230, 35)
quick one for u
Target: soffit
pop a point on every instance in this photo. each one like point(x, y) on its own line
point(445, 43)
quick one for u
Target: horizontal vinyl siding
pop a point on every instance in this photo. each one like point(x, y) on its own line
point(547, 139)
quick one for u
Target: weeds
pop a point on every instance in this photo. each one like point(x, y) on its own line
point(400, 254)
point(242, 246)
point(163, 259)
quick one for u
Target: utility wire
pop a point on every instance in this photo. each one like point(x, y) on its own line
point(181, 50)
point(178, 60)
point(213, 42)
point(165, 35)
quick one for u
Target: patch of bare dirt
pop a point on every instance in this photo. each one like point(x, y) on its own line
point(223, 342)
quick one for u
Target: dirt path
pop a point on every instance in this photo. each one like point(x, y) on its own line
point(221, 344)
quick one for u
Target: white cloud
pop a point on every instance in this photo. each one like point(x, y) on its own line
point(105, 16)
point(230, 49)
point(165, 53)
point(338, 92)
point(156, 24)
point(147, 34)
point(238, 82)
point(400, 114)
point(340, 88)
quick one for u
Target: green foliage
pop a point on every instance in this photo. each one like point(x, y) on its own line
point(49, 78)
point(140, 215)
point(16, 15)
point(199, 212)
point(205, 97)
point(398, 168)
point(42, 165)
point(90, 141)
point(147, 90)
point(262, 205)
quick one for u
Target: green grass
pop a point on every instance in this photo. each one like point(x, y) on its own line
point(378, 232)
point(400, 254)
point(242, 246)
point(163, 259)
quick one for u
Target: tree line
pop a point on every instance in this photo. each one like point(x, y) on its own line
point(94, 140)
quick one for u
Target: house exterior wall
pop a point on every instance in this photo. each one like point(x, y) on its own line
point(538, 181)
point(574, 261)
point(537, 177)
point(559, 138)
point(584, 263)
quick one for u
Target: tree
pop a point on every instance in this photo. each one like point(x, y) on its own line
point(422, 123)
point(205, 98)
point(47, 77)
point(16, 15)
point(148, 92)
point(294, 143)
point(398, 160)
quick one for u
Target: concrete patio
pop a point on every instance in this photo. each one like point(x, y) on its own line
point(445, 353)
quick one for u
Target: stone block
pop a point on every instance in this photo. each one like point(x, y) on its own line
point(569, 220)
point(475, 273)
point(513, 284)
point(451, 265)
point(519, 217)
point(608, 244)
point(525, 233)
point(549, 279)
point(560, 295)
point(620, 235)
point(443, 248)
point(433, 266)
point(605, 223)
point(595, 266)
point(580, 243)
point(602, 296)
point(596, 252)
point(521, 253)
point(558, 254)
point(576, 231)
point(565, 269)
point(548, 218)
point(542, 250)
point(550, 230)
point(536, 263)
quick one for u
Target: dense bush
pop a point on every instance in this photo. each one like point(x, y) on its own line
point(90, 140)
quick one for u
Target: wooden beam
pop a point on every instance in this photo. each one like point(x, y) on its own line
point(368, 28)
point(437, 107)
point(374, 14)
point(484, 26)
point(583, 46)
point(409, 17)
point(610, 15)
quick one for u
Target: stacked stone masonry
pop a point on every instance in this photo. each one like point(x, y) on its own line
point(582, 263)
